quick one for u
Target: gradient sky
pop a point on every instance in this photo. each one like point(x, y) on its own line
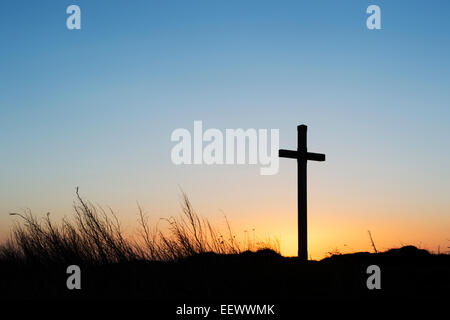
point(95, 108)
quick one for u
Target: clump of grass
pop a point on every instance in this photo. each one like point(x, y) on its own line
point(94, 237)
point(187, 235)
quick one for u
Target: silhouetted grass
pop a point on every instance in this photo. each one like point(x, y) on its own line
point(94, 237)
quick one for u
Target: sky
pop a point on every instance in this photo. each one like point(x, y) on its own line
point(95, 108)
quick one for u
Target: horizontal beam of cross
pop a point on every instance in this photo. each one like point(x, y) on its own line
point(282, 153)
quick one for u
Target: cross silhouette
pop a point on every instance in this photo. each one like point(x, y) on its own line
point(302, 155)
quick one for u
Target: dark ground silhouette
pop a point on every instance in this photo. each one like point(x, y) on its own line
point(407, 272)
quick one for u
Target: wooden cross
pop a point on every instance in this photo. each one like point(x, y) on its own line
point(302, 155)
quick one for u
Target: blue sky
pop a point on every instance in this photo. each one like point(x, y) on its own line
point(95, 107)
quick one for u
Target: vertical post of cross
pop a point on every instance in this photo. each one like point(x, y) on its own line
point(302, 193)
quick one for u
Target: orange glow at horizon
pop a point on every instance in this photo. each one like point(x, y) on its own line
point(339, 232)
point(339, 216)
